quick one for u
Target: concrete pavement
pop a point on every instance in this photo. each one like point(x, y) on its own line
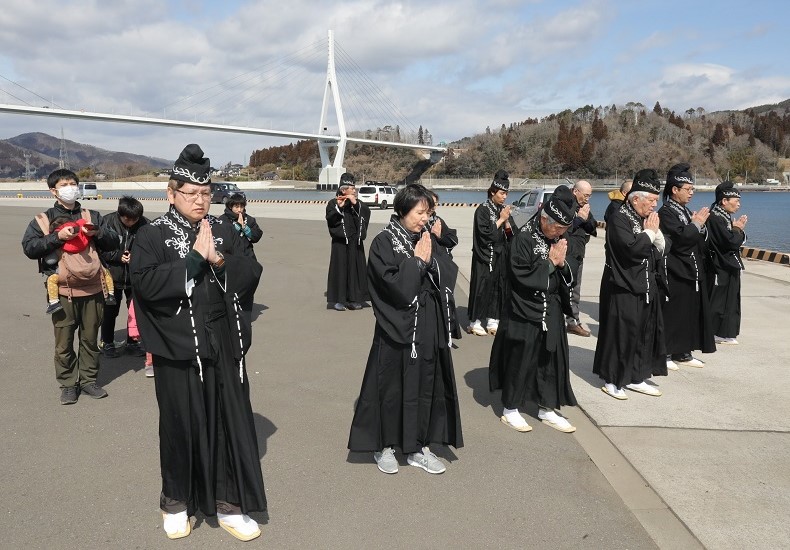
point(707, 462)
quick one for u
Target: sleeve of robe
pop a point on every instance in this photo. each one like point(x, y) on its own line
point(724, 240)
point(397, 281)
point(685, 237)
point(486, 231)
point(334, 220)
point(449, 237)
point(530, 272)
point(157, 279)
point(255, 231)
point(364, 214)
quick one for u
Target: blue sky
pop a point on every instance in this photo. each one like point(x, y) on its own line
point(454, 67)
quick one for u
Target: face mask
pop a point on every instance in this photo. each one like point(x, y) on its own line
point(69, 194)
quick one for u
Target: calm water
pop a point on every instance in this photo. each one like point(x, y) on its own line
point(769, 213)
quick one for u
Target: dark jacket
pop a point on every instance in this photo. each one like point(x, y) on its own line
point(112, 258)
point(251, 233)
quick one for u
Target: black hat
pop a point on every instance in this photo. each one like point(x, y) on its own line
point(347, 179)
point(646, 180)
point(192, 166)
point(726, 190)
point(501, 180)
point(561, 206)
point(678, 176)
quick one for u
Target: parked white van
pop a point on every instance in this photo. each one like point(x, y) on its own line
point(88, 191)
point(377, 193)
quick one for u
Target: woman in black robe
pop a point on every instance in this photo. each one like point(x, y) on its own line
point(724, 285)
point(408, 397)
point(687, 322)
point(630, 346)
point(249, 233)
point(188, 271)
point(491, 234)
point(529, 359)
point(347, 219)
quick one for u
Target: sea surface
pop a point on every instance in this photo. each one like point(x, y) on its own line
point(768, 226)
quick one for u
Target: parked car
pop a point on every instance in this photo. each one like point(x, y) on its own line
point(376, 193)
point(88, 191)
point(529, 203)
point(220, 191)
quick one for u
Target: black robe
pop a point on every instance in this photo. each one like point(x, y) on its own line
point(630, 347)
point(247, 238)
point(348, 228)
point(443, 247)
point(488, 285)
point(724, 282)
point(529, 359)
point(408, 397)
point(687, 322)
point(189, 316)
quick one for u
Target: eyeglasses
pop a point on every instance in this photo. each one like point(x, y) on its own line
point(689, 188)
point(193, 197)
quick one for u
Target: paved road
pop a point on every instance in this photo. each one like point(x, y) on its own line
point(710, 455)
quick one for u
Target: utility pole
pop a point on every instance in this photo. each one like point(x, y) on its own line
point(28, 170)
point(63, 162)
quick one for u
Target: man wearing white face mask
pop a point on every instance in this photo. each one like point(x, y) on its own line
point(81, 293)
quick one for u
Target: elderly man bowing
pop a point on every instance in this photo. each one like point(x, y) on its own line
point(630, 345)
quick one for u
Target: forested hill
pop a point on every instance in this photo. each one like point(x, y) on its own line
point(595, 142)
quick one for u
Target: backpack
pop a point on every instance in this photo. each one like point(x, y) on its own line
point(77, 270)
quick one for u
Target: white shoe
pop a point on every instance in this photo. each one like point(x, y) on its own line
point(240, 526)
point(477, 328)
point(693, 362)
point(550, 417)
point(726, 341)
point(176, 526)
point(614, 391)
point(671, 365)
point(645, 388)
point(512, 418)
point(492, 325)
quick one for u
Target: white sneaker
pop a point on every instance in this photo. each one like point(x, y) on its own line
point(512, 418)
point(550, 417)
point(614, 391)
point(671, 365)
point(492, 325)
point(645, 388)
point(726, 341)
point(477, 328)
point(176, 526)
point(240, 526)
point(691, 361)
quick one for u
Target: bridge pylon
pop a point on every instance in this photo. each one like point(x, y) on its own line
point(332, 169)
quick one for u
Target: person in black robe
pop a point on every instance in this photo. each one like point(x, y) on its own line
point(445, 239)
point(491, 234)
point(616, 199)
point(724, 283)
point(188, 271)
point(578, 235)
point(249, 233)
point(630, 346)
point(529, 358)
point(687, 321)
point(347, 219)
point(408, 397)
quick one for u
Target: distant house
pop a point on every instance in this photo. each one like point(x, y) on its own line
point(100, 176)
point(270, 176)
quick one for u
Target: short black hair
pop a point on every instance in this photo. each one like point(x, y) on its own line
point(129, 207)
point(61, 174)
point(236, 199)
point(493, 190)
point(408, 197)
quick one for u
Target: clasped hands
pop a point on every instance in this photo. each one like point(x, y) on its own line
point(204, 243)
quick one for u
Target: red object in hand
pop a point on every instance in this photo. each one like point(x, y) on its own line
point(80, 241)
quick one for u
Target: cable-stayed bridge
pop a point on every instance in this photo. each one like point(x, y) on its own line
point(370, 108)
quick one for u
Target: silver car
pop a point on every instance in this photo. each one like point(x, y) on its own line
point(529, 203)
